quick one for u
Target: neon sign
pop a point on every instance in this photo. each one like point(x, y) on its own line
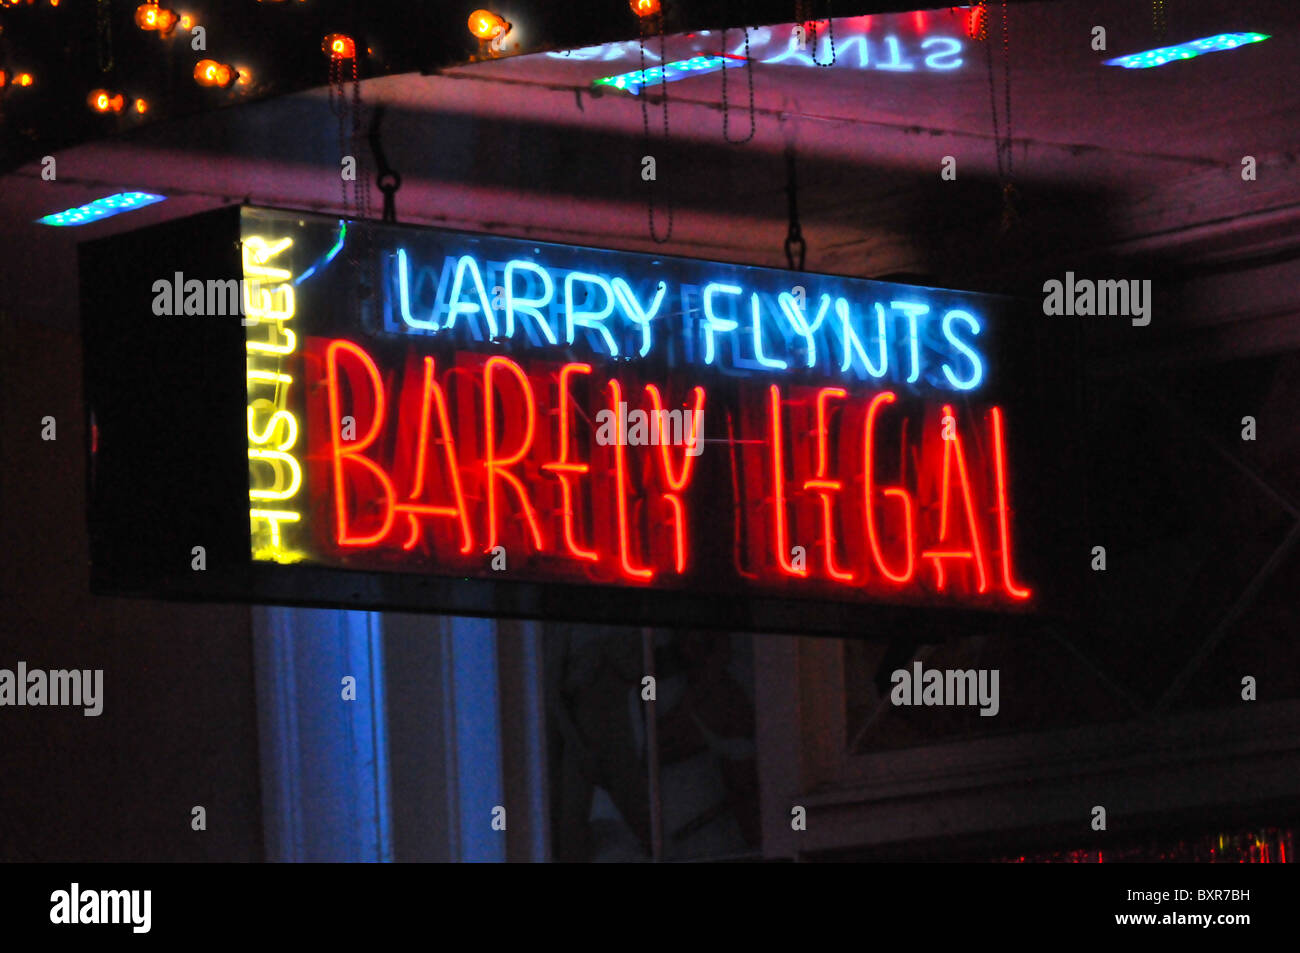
point(636, 80)
point(1186, 51)
point(901, 43)
point(822, 325)
point(275, 468)
point(106, 207)
point(504, 410)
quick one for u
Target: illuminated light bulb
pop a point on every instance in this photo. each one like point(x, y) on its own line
point(486, 25)
point(245, 76)
point(167, 21)
point(205, 72)
point(101, 100)
point(23, 79)
point(212, 73)
point(4, 79)
point(141, 106)
point(340, 46)
point(645, 8)
point(186, 22)
point(146, 16)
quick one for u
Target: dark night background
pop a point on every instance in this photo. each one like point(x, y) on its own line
point(1131, 698)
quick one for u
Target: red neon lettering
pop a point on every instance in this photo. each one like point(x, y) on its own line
point(951, 450)
point(494, 465)
point(909, 570)
point(433, 398)
point(778, 487)
point(677, 483)
point(825, 486)
point(620, 483)
point(1004, 529)
point(340, 454)
point(567, 469)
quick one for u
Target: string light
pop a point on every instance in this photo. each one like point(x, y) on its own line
point(101, 100)
point(141, 106)
point(23, 79)
point(150, 16)
point(340, 46)
point(645, 8)
point(486, 25)
point(212, 73)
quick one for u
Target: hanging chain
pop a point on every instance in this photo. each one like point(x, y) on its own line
point(1158, 18)
point(645, 125)
point(104, 34)
point(343, 70)
point(795, 246)
point(1006, 86)
point(1005, 145)
point(749, 72)
point(356, 205)
point(804, 14)
point(388, 179)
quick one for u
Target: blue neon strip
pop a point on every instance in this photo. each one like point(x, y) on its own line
point(617, 309)
point(1186, 51)
point(329, 255)
point(101, 208)
point(655, 75)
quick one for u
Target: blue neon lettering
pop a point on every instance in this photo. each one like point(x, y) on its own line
point(609, 304)
point(756, 310)
point(977, 366)
point(455, 307)
point(790, 305)
point(854, 343)
point(529, 306)
point(895, 59)
point(913, 311)
point(635, 313)
point(841, 54)
point(792, 52)
point(595, 320)
point(953, 49)
point(712, 323)
point(404, 297)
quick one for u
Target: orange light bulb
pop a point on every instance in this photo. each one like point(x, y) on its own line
point(645, 8)
point(339, 46)
point(212, 73)
point(141, 106)
point(486, 25)
point(146, 16)
point(102, 101)
point(23, 79)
